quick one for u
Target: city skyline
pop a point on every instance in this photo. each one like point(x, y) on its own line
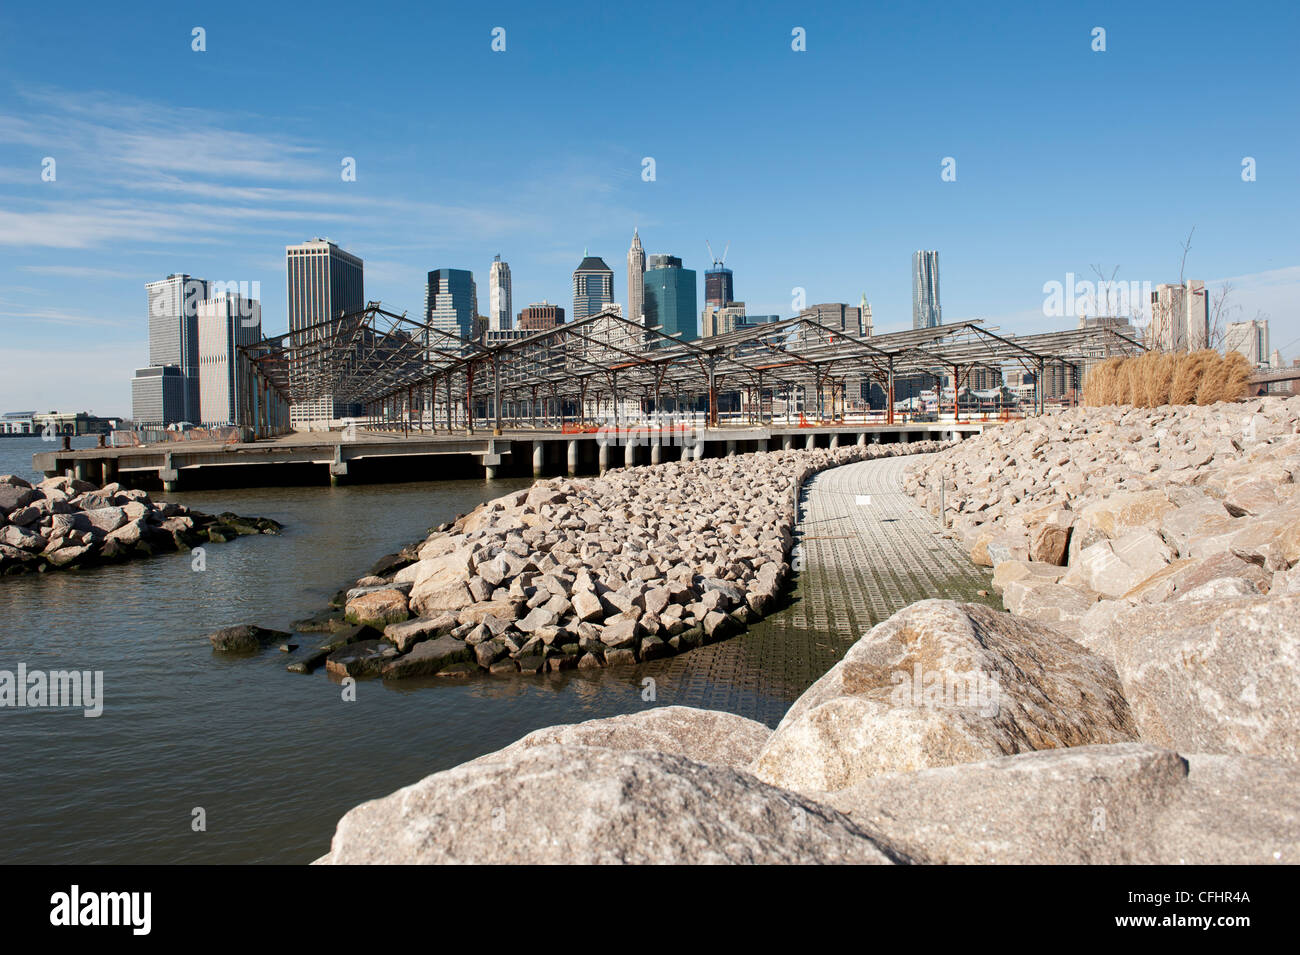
point(214, 170)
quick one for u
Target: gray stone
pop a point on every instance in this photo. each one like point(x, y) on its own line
point(941, 683)
point(621, 634)
point(428, 657)
point(706, 736)
point(244, 638)
point(582, 805)
point(1125, 804)
point(1216, 676)
point(408, 633)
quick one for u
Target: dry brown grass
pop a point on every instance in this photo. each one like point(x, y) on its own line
point(1160, 378)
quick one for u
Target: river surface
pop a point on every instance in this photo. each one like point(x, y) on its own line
point(273, 758)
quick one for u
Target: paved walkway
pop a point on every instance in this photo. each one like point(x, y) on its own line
point(862, 563)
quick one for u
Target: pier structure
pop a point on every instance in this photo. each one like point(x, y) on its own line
point(596, 393)
point(331, 457)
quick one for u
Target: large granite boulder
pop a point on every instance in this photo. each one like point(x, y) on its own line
point(1213, 676)
point(1127, 803)
point(581, 805)
point(1113, 568)
point(361, 658)
point(705, 736)
point(941, 683)
point(377, 608)
point(1174, 580)
point(22, 538)
point(1050, 541)
point(1118, 514)
point(1037, 598)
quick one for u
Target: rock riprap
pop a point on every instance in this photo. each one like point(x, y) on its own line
point(1165, 540)
point(63, 523)
point(669, 785)
point(633, 565)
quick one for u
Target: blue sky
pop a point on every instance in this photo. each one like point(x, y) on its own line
point(821, 168)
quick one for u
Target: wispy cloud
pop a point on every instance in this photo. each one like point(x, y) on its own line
point(79, 271)
point(63, 316)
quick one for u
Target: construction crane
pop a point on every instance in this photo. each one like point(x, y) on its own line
point(718, 263)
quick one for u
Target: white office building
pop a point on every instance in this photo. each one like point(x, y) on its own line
point(1250, 338)
point(1179, 317)
point(500, 312)
point(227, 323)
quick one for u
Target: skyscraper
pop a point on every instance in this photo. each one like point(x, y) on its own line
point(593, 287)
point(226, 322)
point(864, 317)
point(926, 311)
point(499, 306)
point(325, 283)
point(451, 301)
point(718, 288)
point(1179, 317)
point(157, 396)
point(1250, 338)
point(670, 297)
point(636, 279)
point(174, 338)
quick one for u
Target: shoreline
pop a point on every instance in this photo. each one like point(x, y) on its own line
point(63, 523)
point(563, 575)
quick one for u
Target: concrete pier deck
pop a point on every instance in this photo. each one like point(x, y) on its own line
point(318, 457)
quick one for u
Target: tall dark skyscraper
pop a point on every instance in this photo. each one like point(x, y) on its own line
point(718, 288)
point(593, 287)
point(324, 283)
point(670, 297)
point(451, 301)
point(926, 311)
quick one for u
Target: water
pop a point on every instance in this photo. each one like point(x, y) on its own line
point(16, 453)
point(274, 758)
